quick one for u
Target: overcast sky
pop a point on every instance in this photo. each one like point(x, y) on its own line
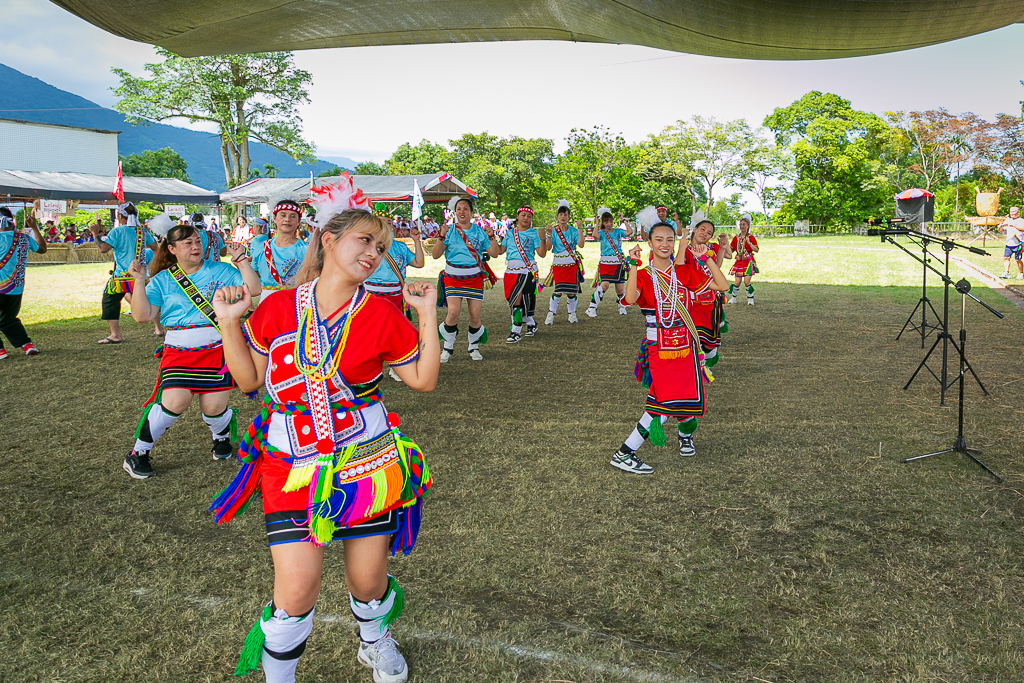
point(539, 89)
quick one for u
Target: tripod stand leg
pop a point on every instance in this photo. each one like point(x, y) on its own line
point(967, 364)
point(969, 452)
point(925, 360)
point(928, 455)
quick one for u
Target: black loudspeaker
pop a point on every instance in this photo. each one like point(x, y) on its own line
point(916, 210)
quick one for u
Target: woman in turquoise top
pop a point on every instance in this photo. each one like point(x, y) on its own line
point(466, 248)
point(277, 260)
point(522, 245)
point(192, 357)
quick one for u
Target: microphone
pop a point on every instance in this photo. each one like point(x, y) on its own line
point(874, 232)
point(979, 252)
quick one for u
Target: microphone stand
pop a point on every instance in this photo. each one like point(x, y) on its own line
point(924, 303)
point(960, 444)
point(944, 336)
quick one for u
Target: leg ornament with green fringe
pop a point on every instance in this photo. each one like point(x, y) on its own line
point(276, 641)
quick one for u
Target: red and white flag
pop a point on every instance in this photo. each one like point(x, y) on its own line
point(119, 186)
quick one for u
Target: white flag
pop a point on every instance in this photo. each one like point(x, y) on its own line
point(417, 200)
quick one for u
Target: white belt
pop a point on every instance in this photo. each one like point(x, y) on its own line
point(383, 287)
point(461, 270)
point(610, 261)
point(516, 268)
point(563, 259)
point(192, 338)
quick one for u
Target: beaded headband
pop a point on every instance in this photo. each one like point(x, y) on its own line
point(524, 209)
point(287, 206)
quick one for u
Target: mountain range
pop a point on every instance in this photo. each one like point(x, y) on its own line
point(29, 99)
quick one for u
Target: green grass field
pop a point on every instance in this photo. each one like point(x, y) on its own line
point(794, 547)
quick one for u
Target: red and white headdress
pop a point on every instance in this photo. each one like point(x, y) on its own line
point(330, 199)
point(525, 209)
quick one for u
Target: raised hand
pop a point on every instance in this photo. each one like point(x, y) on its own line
point(675, 217)
point(137, 270)
point(231, 303)
point(635, 252)
point(421, 296)
point(414, 232)
point(236, 249)
point(723, 239)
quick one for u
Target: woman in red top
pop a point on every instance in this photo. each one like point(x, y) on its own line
point(744, 246)
point(326, 456)
point(670, 361)
point(706, 311)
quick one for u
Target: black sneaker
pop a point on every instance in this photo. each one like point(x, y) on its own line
point(222, 448)
point(137, 465)
point(531, 330)
point(630, 462)
point(513, 338)
point(686, 448)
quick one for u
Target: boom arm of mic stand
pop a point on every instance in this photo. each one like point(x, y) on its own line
point(992, 310)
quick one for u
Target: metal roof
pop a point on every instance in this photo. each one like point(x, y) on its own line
point(752, 29)
point(436, 187)
point(98, 188)
point(61, 125)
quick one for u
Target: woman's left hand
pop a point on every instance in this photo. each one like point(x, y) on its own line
point(421, 296)
point(236, 249)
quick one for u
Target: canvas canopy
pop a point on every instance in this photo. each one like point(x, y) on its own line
point(436, 187)
point(754, 29)
point(97, 188)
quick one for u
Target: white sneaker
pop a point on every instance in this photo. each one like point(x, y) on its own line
point(623, 311)
point(383, 657)
point(573, 318)
point(445, 355)
point(1020, 276)
point(750, 301)
point(550, 319)
point(394, 375)
point(731, 300)
point(476, 355)
point(630, 462)
point(591, 312)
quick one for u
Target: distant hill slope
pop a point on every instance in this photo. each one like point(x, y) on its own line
point(30, 99)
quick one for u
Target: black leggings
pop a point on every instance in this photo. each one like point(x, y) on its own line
point(10, 325)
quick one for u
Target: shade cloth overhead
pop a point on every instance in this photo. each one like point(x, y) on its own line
point(98, 188)
point(754, 29)
point(436, 187)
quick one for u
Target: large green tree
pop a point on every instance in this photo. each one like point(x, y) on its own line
point(421, 159)
point(163, 163)
point(597, 168)
point(836, 150)
point(506, 172)
point(248, 97)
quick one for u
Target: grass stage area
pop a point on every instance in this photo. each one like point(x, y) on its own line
point(794, 547)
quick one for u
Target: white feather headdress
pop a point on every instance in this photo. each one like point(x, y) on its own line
point(648, 217)
point(161, 224)
point(561, 203)
point(330, 199)
point(275, 199)
point(604, 210)
point(696, 218)
point(454, 201)
point(747, 218)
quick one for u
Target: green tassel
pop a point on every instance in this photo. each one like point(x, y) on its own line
point(397, 606)
point(688, 427)
point(750, 289)
point(233, 426)
point(483, 339)
point(517, 316)
point(724, 327)
point(252, 648)
point(712, 362)
point(145, 416)
point(732, 288)
point(657, 431)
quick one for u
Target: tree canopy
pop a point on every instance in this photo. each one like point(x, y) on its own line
point(253, 96)
point(163, 163)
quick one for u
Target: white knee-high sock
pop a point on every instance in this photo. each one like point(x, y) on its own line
point(476, 335)
point(640, 433)
point(448, 335)
point(283, 644)
point(553, 304)
point(375, 617)
point(595, 300)
point(571, 304)
point(530, 322)
point(157, 421)
point(220, 425)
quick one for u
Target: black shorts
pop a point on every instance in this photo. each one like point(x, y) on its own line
point(110, 306)
point(293, 527)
